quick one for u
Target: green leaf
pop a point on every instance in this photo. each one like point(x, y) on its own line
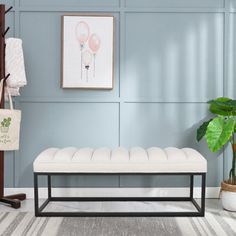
point(219, 132)
point(201, 131)
point(223, 106)
point(220, 99)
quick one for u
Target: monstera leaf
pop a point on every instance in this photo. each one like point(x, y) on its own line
point(201, 131)
point(219, 132)
point(223, 106)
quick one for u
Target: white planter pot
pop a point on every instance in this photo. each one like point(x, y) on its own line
point(4, 129)
point(228, 200)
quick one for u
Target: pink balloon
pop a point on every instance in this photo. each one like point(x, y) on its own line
point(94, 43)
point(82, 32)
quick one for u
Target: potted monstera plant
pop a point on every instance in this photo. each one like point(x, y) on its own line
point(219, 131)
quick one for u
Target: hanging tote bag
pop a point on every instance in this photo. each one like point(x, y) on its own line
point(9, 125)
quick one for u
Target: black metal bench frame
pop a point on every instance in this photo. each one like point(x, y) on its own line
point(39, 210)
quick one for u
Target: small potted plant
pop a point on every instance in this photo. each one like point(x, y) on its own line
point(219, 131)
point(5, 125)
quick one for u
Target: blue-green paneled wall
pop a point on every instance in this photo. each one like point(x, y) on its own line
point(171, 56)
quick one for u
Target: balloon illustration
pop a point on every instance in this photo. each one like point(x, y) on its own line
point(94, 45)
point(82, 35)
point(82, 32)
point(87, 58)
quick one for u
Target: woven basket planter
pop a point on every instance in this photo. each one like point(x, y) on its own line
point(228, 196)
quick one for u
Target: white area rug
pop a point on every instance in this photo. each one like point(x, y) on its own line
point(21, 223)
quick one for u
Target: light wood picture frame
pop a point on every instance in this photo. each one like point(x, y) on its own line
point(88, 51)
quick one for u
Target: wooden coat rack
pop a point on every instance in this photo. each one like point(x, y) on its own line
point(12, 200)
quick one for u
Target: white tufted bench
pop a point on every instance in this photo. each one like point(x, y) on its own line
point(153, 161)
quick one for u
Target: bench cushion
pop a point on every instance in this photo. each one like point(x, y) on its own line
point(120, 160)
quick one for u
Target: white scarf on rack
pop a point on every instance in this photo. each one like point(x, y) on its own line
point(15, 66)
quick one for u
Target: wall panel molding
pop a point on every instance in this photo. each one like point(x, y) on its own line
point(73, 3)
point(176, 3)
point(135, 103)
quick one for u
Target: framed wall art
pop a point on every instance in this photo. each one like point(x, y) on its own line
point(88, 51)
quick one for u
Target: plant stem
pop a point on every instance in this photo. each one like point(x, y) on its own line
point(232, 172)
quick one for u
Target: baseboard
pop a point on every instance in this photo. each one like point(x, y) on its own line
point(211, 192)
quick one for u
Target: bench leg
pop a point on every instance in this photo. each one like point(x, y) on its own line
point(203, 194)
point(200, 208)
point(191, 186)
point(36, 195)
point(49, 187)
point(38, 209)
